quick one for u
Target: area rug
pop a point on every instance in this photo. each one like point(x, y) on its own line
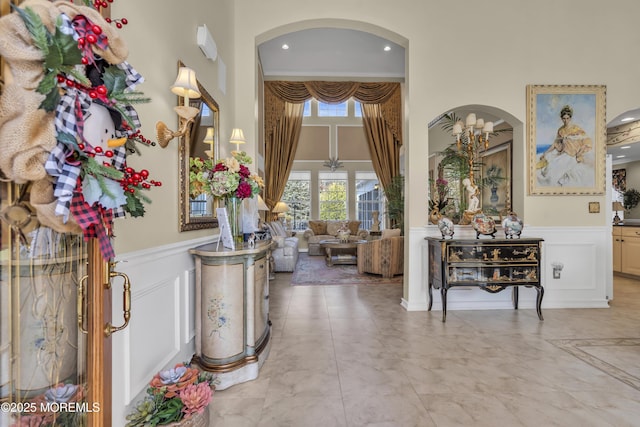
point(618, 357)
point(312, 270)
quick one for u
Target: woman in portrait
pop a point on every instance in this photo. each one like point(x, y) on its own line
point(564, 162)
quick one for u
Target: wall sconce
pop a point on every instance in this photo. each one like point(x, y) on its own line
point(557, 268)
point(208, 139)
point(185, 86)
point(237, 137)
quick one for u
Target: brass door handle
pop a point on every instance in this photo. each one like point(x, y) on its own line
point(126, 305)
point(80, 303)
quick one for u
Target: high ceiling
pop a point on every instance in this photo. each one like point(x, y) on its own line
point(332, 53)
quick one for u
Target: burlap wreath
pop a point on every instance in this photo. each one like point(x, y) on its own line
point(27, 133)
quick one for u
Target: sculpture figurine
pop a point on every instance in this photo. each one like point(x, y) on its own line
point(375, 221)
point(445, 225)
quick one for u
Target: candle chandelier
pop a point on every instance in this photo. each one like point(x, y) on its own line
point(472, 137)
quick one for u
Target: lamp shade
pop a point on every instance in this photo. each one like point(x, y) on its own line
point(186, 84)
point(262, 206)
point(617, 206)
point(237, 136)
point(280, 207)
point(208, 138)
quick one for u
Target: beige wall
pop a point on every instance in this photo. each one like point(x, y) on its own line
point(449, 63)
point(158, 35)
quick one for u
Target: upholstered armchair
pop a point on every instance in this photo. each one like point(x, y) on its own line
point(382, 256)
point(285, 255)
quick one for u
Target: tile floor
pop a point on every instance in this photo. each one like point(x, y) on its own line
point(352, 356)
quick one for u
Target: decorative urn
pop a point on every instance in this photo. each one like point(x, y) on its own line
point(445, 225)
point(484, 224)
point(512, 226)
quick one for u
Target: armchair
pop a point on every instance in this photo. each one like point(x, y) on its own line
point(285, 255)
point(382, 256)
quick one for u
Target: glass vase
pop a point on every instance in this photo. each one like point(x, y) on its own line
point(234, 212)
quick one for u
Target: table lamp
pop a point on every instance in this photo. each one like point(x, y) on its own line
point(617, 206)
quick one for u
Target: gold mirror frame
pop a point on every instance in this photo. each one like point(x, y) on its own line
point(193, 139)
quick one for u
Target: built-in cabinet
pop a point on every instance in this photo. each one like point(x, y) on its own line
point(626, 250)
point(232, 311)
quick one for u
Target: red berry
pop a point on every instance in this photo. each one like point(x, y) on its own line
point(108, 153)
point(91, 38)
point(131, 190)
point(124, 21)
point(81, 146)
point(81, 42)
point(108, 20)
point(96, 29)
point(98, 149)
point(118, 25)
point(144, 173)
point(128, 170)
point(158, 184)
point(93, 94)
point(84, 60)
point(104, 4)
point(102, 89)
point(60, 78)
point(70, 83)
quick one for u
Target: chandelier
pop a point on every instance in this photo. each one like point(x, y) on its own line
point(471, 138)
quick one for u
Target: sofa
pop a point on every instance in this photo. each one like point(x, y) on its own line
point(285, 254)
point(328, 229)
point(383, 256)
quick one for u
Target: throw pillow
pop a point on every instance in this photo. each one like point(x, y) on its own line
point(354, 226)
point(279, 241)
point(318, 227)
point(392, 232)
point(333, 226)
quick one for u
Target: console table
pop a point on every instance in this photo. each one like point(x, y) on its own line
point(232, 311)
point(492, 265)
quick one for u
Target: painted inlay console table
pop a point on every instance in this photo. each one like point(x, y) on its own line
point(490, 264)
point(233, 330)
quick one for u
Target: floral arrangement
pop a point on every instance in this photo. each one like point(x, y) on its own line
point(60, 405)
point(440, 192)
point(174, 395)
point(229, 177)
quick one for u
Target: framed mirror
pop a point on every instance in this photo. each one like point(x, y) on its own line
point(198, 211)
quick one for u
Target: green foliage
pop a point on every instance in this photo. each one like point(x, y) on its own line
point(134, 205)
point(631, 198)
point(395, 202)
point(333, 201)
point(297, 195)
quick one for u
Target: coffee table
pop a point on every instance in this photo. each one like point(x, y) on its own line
point(338, 252)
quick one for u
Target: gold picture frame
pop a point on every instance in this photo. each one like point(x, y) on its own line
point(495, 193)
point(566, 137)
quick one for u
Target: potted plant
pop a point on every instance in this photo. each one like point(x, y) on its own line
point(395, 202)
point(175, 397)
point(630, 199)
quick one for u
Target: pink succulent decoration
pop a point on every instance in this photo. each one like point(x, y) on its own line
point(195, 398)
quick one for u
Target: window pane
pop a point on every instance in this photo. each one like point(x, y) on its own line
point(297, 195)
point(369, 198)
point(358, 109)
point(333, 198)
point(307, 108)
point(332, 110)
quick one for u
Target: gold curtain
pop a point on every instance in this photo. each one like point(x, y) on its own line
point(382, 118)
point(280, 151)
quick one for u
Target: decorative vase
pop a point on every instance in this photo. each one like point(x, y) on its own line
point(512, 226)
point(445, 225)
point(196, 420)
point(234, 212)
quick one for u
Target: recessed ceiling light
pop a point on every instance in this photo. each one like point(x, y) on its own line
point(285, 46)
point(387, 48)
point(625, 147)
point(619, 157)
point(627, 119)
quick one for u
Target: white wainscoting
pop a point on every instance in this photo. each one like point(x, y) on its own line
point(162, 327)
point(584, 281)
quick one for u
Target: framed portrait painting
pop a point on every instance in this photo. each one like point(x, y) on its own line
point(566, 136)
point(495, 167)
